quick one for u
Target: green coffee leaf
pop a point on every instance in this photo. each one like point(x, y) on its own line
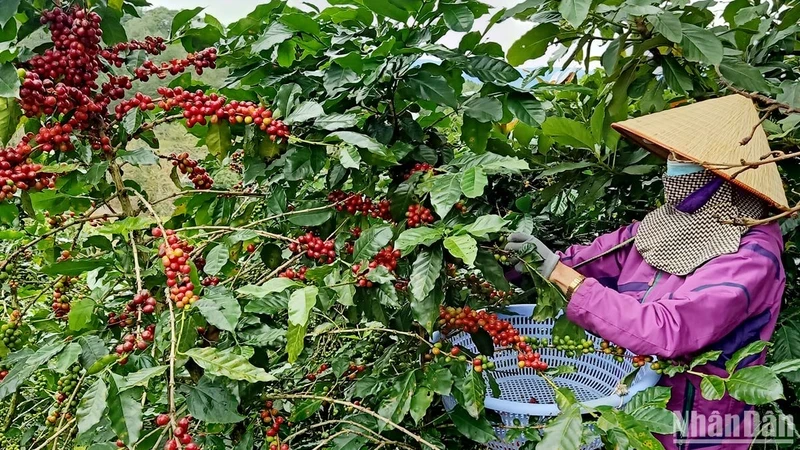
point(227, 365)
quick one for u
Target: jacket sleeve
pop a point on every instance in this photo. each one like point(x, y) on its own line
point(606, 269)
point(713, 301)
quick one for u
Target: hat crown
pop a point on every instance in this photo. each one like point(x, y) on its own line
point(711, 132)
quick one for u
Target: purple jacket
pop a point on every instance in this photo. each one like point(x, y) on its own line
point(725, 304)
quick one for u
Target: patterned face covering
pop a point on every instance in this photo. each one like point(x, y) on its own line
point(689, 230)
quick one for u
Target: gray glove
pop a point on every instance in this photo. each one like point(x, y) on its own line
point(525, 244)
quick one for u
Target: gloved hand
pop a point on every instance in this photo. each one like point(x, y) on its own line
point(526, 244)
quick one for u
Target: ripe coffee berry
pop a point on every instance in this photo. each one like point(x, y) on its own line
point(314, 248)
point(162, 420)
point(418, 215)
point(251, 248)
point(355, 203)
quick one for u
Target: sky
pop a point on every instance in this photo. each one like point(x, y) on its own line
point(228, 11)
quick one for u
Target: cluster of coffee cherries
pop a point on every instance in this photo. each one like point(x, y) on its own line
point(659, 366)
point(418, 167)
point(151, 45)
point(641, 360)
point(313, 376)
point(61, 301)
point(527, 358)
point(204, 59)
point(201, 108)
point(481, 363)
point(67, 383)
point(54, 415)
point(19, 172)
point(361, 276)
point(355, 203)
point(174, 255)
point(56, 220)
point(610, 349)
point(349, 246)
point(54, 136)
point(247, 112)
point(236, 162)
point(315, 248)
point(182, 439)
point(143, 301)
point(101, 143)
point(197, 174)
point(122, 320)
point(7, 271)
point(387, 257)
point(353, 370)
point(116, 87)
point(572, 347)
point(295, 274)
point(210, 281)
point(481, 287)
point(11, 332)
point(8, 442)
point(271, 416)
point(132, 342)
point(63, 80)
point(198, 107)
point(619, 354)
point(76, 34)
point(418, 215)
point(139, 100)
point(401, 285)
point(501, 258)
point(502, 332)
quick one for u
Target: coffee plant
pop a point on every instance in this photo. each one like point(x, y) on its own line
point(360, 179)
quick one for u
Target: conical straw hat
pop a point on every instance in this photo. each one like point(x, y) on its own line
point(710, 133)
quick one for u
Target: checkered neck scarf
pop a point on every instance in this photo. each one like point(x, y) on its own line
point(687, 231)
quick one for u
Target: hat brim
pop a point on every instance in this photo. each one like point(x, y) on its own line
point(663, 150)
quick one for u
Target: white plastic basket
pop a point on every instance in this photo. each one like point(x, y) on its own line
point(594, 381)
